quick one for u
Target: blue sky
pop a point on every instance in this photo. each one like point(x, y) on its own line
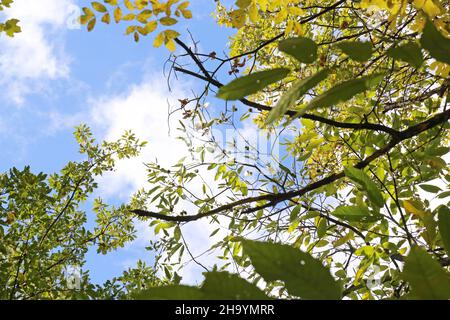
point(54, 77)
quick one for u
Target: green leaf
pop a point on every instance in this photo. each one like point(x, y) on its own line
point(302, 49)
point(427, 278)
point(321, 227)
point(361, 178)
point(430, 188)
point(342, 92)
point(409, 52)
point(294, 213)
point(244, 86)
point(178, 292)
point(298, 89)
point(10, 27)
point(435, 43)
point(355, 214)
point(356, 50)
point(303, 275)
point(444, 226)
point(216, 286)
point(227, 286)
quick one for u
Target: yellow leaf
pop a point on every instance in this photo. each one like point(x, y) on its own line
point(106, 18)
point(170, 44)
point(183, 5)
point(428, 6)
point(117, 14)
point(159, 39)
point(167, 21)
point(253, 12)
point(129, 5)
point(99, 7)
point(130, 30)
point(129, 17)
point(91, 24)
point(281, 16)
point(187, 14)
point(237, 18)
point(151, 26)
point(414, 207)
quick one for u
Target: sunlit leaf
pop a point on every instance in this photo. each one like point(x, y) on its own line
point(409, 52)
point(247, 85)
point(302, 49)
point(297, 90)
point(356, 50)
point(342, 92)
point(355, 214)
point(304, 276)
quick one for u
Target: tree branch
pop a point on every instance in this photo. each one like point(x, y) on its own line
point(274, 199)
point(261, 107)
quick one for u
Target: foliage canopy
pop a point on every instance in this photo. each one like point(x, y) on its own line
point(358, 207)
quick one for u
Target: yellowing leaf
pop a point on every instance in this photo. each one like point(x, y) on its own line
point(129, 5)
point(170, 44)
point(237, 18)
point(414, 207)
point(428, 6)
point(253, 13)
point(159, 40)
point(91, 24)
point(151, 26)
point(117, 14)
point(106, 18)
point(99, 7)
point(167, 21)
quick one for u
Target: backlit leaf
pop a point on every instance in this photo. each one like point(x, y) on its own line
point(304, 276)
point(244, 86)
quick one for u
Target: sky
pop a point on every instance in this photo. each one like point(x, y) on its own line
point(55, 75)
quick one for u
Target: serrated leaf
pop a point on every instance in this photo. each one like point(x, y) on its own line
point(247, 85)
point(297, 90)
point(427, 278)
point(435, 43)
point(302, 49)
point(303, 275)
point(409, 52)
point(342, 92)
point(444, 227)
point(356, 50)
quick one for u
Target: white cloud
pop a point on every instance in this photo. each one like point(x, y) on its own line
point(143, 108)
point(37, 53)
